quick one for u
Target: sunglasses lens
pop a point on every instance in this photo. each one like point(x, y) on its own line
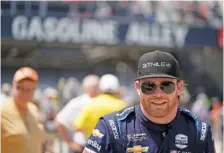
point(167, 87)
point(21, 89)
point(18, 87)
point(148, 88)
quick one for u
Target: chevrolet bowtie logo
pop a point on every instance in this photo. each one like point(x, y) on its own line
point(138, 149)
point(96, 133)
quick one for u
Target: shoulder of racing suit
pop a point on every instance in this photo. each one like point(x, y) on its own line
point(199, 124)
point(115, 121)
point(201, 127)
point(120, 116)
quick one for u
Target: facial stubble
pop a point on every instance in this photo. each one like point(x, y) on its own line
point(159, 113)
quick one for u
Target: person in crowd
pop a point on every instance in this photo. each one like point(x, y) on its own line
point(5, 93)
point(107, 102)
point(64, 119)
point(21, 128)
point(200, 107)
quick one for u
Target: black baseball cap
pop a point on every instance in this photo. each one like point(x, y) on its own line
point(158, 64)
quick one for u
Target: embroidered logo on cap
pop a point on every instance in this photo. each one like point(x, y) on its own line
point(156, 64)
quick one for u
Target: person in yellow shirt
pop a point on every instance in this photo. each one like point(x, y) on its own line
point(21, 128)
point(104, 104)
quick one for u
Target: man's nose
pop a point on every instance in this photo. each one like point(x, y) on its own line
point(158, 93)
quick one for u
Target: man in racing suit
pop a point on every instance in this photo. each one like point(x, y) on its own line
point(158, 124)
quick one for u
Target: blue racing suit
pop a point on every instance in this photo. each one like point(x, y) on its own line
point(129, 131)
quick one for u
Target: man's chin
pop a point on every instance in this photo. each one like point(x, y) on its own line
point(158, 114)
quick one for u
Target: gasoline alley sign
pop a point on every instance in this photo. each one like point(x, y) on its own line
point(107, 31)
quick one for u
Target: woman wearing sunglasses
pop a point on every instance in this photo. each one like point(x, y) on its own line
point(158, 124)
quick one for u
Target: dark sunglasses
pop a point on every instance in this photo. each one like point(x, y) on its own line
point(150, 87)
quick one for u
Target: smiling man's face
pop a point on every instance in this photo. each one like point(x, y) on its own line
point(159, 96)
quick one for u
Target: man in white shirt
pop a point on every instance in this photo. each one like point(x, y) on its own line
point(5, 93)
point(3, 99)
point(64, 119)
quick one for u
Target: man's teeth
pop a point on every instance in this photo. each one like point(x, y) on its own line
point(160, 103)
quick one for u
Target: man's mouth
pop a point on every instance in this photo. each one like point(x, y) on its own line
point(158, 103)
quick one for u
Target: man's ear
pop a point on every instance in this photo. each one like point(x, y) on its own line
point(180, 85)
point(137, 86)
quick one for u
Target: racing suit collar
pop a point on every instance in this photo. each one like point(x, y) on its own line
point(153, 126)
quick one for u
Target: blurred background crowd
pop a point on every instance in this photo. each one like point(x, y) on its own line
point(51, 100)
point(200, 13)
point(207, 13)
point(63, 65)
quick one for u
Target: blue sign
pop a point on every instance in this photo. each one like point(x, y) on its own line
point(107, 31)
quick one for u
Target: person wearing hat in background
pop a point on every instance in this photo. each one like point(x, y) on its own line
point(107, 102)
point(21, 128)
point(158, 124)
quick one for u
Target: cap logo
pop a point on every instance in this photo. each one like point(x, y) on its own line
point(28, 72)
point(156, 64)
